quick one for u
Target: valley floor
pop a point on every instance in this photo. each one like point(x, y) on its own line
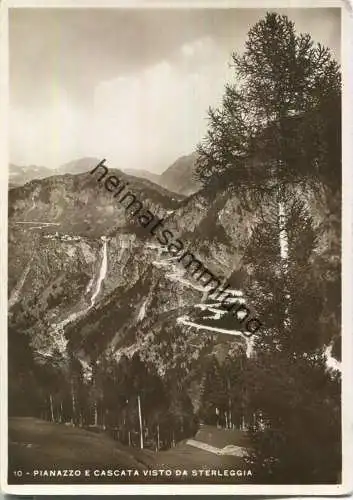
point(37, 447)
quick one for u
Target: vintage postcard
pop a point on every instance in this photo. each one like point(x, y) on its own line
point(176, 289)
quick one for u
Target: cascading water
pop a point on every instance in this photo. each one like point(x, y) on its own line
point(15, 294)
point(59, 338)
point(102, 271)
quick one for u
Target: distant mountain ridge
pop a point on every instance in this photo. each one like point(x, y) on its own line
point(19, 175)
point(79, 166)
point(177, 178)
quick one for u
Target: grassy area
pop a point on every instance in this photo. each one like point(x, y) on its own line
point(36, 444)
point(39, 445)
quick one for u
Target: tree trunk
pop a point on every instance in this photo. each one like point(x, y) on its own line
point(284, 251)
point(51, 408)
point(95, 413)
point(61, 412)
point(158, 443)
point(73, 400)
point(229, 404)
point(283, 235)
point(140, 421)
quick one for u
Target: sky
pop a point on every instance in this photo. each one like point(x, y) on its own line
point(129, 85)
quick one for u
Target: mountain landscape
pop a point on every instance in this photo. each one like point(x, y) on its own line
point(85, 282)
point(178, 178)
point(64, 228)
point(111, 333)
point(20, 175)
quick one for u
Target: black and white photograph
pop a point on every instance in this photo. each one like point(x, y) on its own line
point(174, 235)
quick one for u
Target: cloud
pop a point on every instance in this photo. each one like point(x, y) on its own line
point(141, 120)
point(154, 116)
point(46, 133)
point(131, 85)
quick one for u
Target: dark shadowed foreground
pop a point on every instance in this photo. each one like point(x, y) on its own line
point(36, 446)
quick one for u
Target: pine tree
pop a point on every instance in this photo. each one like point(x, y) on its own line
point(24, 393)
point(268, 137)
point(269, 130)
point(75, 384)
point(289, 385)
point(234, 370)
point(275, 138)
point(214, 400)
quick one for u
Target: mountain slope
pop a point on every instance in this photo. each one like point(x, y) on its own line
point(87, 282)
point(82, 205)
point(19, 175)
point(143, 174)
point(179, 176)
point(69, 282)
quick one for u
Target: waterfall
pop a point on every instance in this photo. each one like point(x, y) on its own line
point(58, 328)
point(142, 311)
point(89, 286)
point(15, 294)
point(102, 271)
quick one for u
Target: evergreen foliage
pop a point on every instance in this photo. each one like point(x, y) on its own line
point(276, 137)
